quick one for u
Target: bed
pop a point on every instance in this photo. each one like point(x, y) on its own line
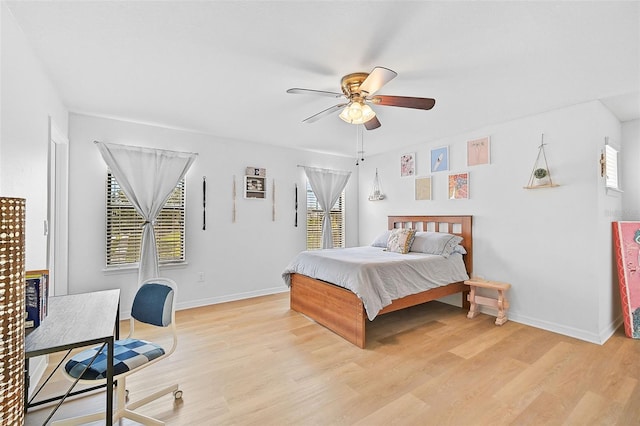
point(343, 312)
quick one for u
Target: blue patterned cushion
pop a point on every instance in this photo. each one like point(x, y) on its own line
point(128, 354)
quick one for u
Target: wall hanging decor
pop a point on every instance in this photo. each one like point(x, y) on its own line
point(423, 188)
point(255, 183)
point(273, 200)
point(204, 203)
point(376, 192)
point(408, 164)
point(233, 200)
point(478, 151)
point(626, 241)
point(295, 222)
point(12, 309)
point(459, 186)
point(440, 159)
point(540, 174)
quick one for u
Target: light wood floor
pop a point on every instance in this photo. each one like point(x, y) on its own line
point(255, 362)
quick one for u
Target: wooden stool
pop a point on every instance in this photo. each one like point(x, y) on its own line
point(501, 303)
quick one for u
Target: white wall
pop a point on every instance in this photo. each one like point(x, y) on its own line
point(552, 245)
point(28, 100)
point(239, 260)
point(630, 179)
point(609, 210)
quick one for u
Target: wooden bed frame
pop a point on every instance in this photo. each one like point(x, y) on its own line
point(342, 312)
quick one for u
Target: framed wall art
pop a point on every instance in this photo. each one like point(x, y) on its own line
point(408, 164)
point(459, 186)
point(423, 188)
point(626, 242)
point(439, 159)
point(478, 151)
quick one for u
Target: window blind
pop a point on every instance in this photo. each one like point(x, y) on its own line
point(124, 227)
point(314, 221)
point(611, 167)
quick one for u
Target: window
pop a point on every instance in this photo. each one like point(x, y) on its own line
point(314, 221)
point(124, 227)
point(610, 167)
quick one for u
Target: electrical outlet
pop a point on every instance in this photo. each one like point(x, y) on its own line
point(200, 277)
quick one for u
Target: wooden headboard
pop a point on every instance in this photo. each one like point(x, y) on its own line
point(458, 225)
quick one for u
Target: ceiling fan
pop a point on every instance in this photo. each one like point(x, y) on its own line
point(359, 90)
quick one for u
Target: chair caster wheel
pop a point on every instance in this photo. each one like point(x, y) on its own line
point(177, 394)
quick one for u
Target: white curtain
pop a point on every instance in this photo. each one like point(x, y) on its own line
point(327, 185)
point(147, 177)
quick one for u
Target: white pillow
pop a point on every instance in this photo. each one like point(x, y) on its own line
point(439, 243)
point(381, 240)
point(459, 249)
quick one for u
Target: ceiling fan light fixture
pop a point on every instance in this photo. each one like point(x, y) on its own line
point(357, 113)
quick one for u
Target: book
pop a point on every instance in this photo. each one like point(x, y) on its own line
point(36, 297)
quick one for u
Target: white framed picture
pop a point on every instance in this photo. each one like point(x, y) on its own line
point(440, 159)
point(479, 151)
point(408, 164)
point(459, 186)
point(423, 188)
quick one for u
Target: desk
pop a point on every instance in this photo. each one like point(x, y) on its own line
point(76, 321)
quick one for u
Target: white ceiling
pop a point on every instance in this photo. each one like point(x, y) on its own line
point(223, 67)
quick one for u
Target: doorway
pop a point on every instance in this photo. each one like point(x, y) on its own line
point(58, 211)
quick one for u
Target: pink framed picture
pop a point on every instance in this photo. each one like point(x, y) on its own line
point(626, 241)
point(478, 151)
point(459, 186)
point(408, 164)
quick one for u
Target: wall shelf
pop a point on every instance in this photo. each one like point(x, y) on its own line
point(540, 174)
point(255, 187)
point(547, 185)
point(255, 183)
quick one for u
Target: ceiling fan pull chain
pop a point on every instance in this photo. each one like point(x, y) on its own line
point(360, 145)
point(361, 142)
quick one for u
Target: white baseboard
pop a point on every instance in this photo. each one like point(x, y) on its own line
point(222, 299)
point(611, 328)
point(231, 297)
point(598, 338)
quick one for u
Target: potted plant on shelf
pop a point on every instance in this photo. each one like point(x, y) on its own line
point(541, 176)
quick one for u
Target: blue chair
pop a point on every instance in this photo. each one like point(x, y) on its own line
point(154, 304)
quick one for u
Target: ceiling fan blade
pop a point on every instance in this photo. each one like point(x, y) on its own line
point(374, 123)
point(376, 79)
point(403, 101)
point(323, 113)
point(296, 90)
